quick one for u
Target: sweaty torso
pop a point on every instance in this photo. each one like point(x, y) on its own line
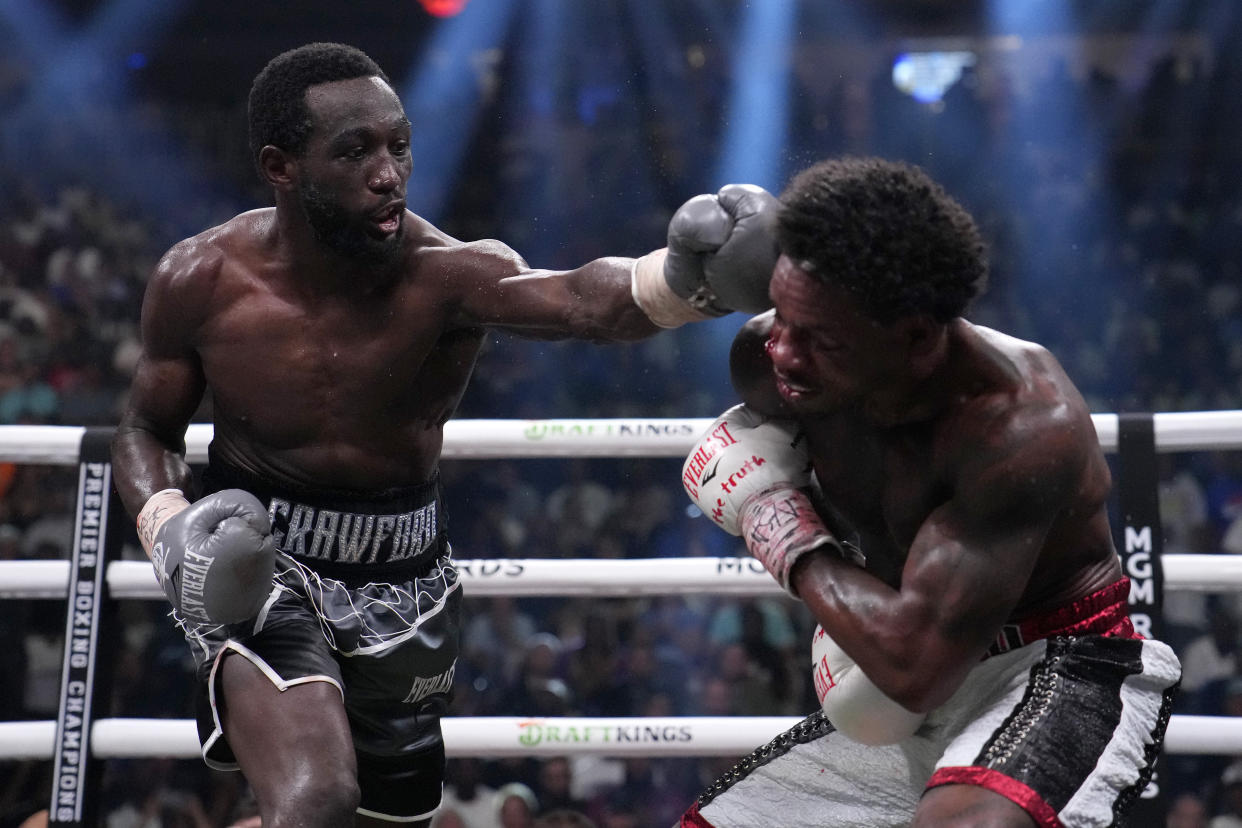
point(885, 483)
point(345, 386)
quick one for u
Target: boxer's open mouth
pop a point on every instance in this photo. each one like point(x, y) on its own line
point(388, 220)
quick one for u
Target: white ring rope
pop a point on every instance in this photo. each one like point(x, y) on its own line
point(489, 439)
point(500, 736)
point(586, 576)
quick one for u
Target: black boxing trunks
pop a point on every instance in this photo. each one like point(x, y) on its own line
point(1064, 716)
point(365, 597)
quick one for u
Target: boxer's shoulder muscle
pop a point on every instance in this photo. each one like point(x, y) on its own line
point(456, 263)
point(198, 263)
point(458, 271)
point(179, 294)
point(482, 282)
point(1017, 447)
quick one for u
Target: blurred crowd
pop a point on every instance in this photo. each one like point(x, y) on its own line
point(1124, 263)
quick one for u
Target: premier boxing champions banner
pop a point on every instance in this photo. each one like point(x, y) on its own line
point(85, 670)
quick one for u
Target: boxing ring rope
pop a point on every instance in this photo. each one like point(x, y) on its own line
point(623, 437)
point(512, 736)
point(560, 578)
point(498, 737)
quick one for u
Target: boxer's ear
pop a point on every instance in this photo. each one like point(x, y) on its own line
point(277, 167)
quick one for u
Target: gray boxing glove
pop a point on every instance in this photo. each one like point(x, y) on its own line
point(722, 249)
point(215, 559)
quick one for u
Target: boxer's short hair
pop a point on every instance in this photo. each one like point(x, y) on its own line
point(887, 233)
point(277, 110)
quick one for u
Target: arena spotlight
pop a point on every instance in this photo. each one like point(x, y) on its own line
point(449, 79)
point(443, 8)
point(927, 76)
point(758, 111)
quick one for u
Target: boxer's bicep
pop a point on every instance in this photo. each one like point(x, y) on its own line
point(168, 382)
point(166, 389)
point(973, 557)
point(163, 397)
point(495, 287)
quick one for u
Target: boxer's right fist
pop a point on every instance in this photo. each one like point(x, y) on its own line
point(748, 473)
point(722, 249)
point(215, 558)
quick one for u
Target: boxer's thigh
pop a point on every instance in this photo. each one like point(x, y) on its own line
point(1076, 742)
point(398, 676)
point(278, 679)
point(815, 776)
point(282, 735)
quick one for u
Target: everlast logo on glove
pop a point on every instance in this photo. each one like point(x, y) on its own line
point(184, 585)
point(193, 579)
point(692, 477)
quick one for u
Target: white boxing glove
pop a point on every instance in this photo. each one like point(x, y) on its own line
point(854, 705)
point(747, 473)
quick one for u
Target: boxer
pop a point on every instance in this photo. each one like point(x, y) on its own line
point(934, 493)
point(336, 333)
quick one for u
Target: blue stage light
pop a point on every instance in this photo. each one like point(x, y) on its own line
point(926, 76)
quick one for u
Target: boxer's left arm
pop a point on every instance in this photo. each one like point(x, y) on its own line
point(720, 254)
point(966, 569)
point(750, 474)
point(148, 448)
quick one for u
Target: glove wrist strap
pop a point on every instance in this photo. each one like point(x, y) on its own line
point(781, 525)
point(653, 295)
point(158, 509)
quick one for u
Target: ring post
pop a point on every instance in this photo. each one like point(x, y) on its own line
point(1141, 543)
point(86, 670)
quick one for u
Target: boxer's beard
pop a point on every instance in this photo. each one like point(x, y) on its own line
point(337, 230)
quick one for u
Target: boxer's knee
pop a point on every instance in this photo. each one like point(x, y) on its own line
point(325, 796)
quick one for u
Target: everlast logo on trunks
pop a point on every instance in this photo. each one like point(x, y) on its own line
point(349, 537)
point(698, 471)
point(425, 686)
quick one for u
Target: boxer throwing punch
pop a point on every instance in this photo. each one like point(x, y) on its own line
point(934, 492)
point(336, 333)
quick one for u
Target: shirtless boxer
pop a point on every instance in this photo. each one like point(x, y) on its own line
point(934, 492)
point(336, 334)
